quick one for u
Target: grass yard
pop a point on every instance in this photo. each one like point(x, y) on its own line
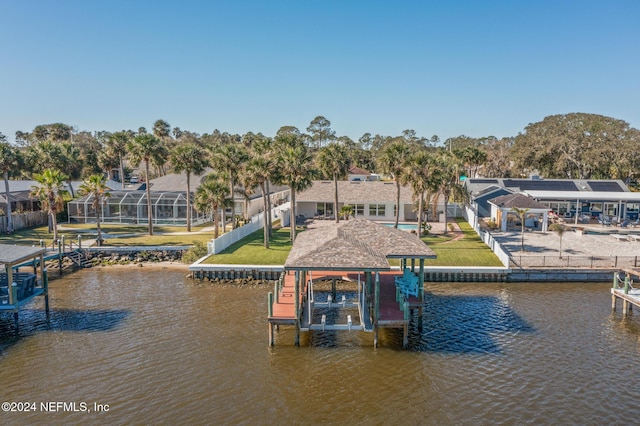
point(467, 251)
point(251, 251)
point(122, 235)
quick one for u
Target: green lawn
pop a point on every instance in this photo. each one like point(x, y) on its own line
point(468, 251)
point(251, 251)
point(34, 235)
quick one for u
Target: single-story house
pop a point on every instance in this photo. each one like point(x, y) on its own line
point(568, 198)
point(373, 200)
point(169, 203)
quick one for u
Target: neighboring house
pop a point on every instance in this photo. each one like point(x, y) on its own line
point(21, 199)
point(504, 215)
point(565, 197)
point(169, 203)
point(370, 200)
point(358, 174)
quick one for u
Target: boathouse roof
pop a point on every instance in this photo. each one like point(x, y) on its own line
point(12, 255)
point(354, 245)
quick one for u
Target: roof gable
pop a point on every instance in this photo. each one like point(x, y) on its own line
point(518, 201)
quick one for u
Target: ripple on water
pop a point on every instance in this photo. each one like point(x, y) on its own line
point(162, 349)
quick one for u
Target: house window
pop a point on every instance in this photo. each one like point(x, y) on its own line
point(324, 209)
point(358, 210)
point(377, 209)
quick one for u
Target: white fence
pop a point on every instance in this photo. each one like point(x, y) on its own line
point(471, 217)
point(257, 222)
point(24, 220)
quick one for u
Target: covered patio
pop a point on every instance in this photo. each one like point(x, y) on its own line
point(357, 251)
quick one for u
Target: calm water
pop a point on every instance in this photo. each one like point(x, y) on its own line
point(161, 349)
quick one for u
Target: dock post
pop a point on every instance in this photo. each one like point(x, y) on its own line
point(376, 309)
point(270, 308)
point(615, 280)
point(14, 300)
point(79, 242)
point(275, 292)
point(626, 284)
point(613, 301)
point(296, 305)
point(625, 307)
point(60, 256)
point(45, 286)
point(405, 334)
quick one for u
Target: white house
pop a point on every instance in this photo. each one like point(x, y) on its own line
point(370, 200)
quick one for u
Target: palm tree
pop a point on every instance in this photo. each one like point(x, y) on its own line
point(189, 158)
point(522, 214)
point(95, 186)
point(147, 148)
point(559, 229)
point(333, 160)
point(256, 173)
point(419, 173)
point(446, 180)
point(392, 160)
point(262, 149)
point(294, 170)
point(117, 146)
point(230, 158)
point(9, 162)
point(51, 193)
point(210, 197)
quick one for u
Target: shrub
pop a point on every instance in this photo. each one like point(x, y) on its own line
point(198, 250)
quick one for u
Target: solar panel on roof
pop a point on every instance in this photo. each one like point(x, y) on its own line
point(483, 180)
point(605, 186)
point(541, 185)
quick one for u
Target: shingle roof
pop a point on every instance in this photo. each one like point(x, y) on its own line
point(518, 200)
point(12, 255)
point(358, 171)
point(355, 192)
point(357, 244)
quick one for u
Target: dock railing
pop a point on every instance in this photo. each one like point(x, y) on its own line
point(572, 261)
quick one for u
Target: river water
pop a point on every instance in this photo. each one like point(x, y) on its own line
point(153, 347)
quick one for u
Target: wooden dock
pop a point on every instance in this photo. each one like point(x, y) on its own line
point(623, 289)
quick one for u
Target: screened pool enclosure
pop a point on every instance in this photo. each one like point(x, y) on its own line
point(130, 207)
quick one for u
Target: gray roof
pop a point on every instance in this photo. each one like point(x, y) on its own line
point(12, 255)
point(355, 192)
point(519, 201)
point(177, 182)
point(354, 245)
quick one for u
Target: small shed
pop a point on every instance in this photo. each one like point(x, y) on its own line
point(19, 288)
point(502, 208)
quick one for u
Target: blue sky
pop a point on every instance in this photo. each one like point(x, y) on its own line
point(439, 67)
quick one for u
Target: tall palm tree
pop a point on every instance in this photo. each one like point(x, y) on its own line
point(522, 214)
point(51, 193)
point(229, 157)
point(147, 148)
point(295, 170)
point(333, 160)
point(446, 181)
point(96, 187)
point(189, 158)
point(9, 162)
point(419, 173)
point(392, 160)
point(210, 197)
point(117, 146)
point(262, 148)
point(257, 172)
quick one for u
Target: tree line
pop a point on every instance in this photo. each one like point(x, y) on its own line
point(576, 145)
